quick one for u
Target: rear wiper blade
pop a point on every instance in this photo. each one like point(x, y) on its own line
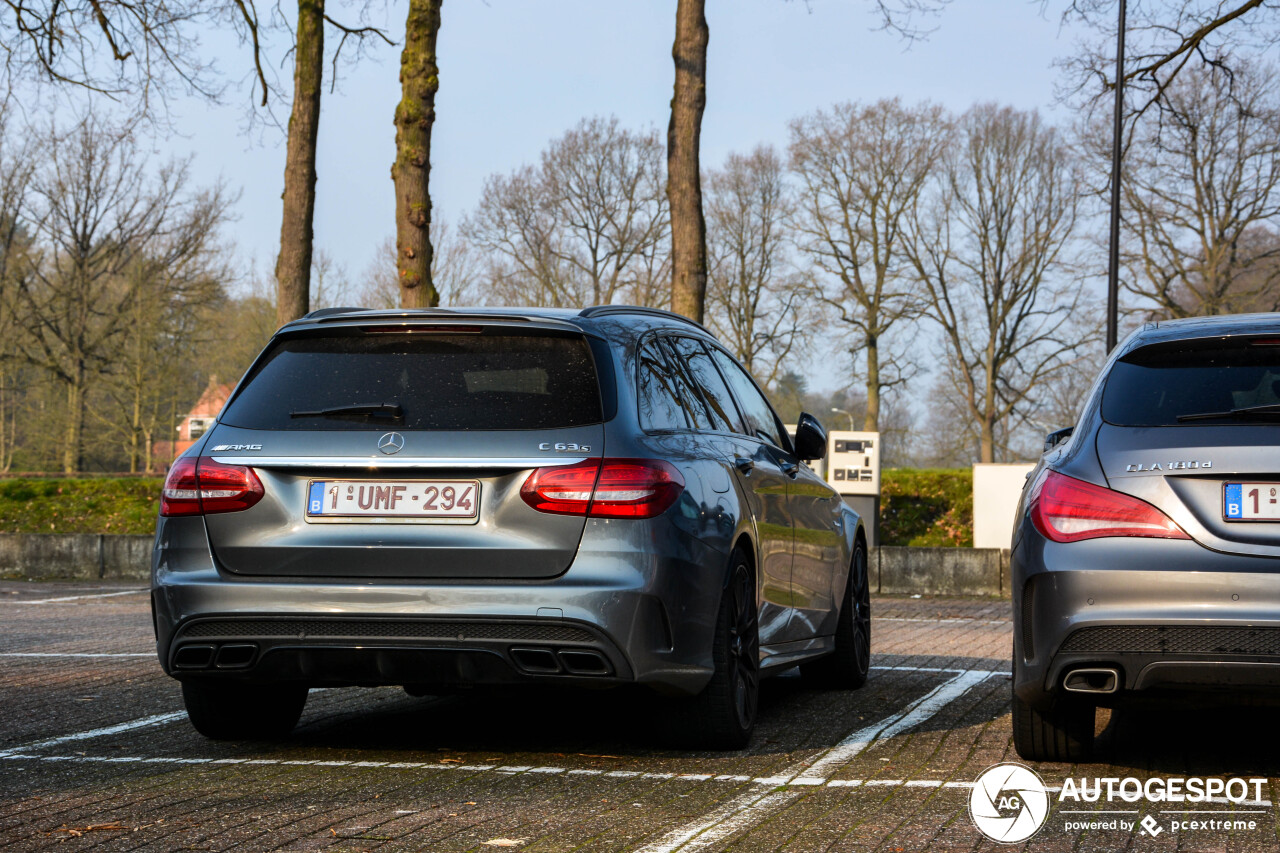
point(1246, 412)
point(372, 410)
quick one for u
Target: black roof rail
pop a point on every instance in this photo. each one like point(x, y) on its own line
point(604, 310)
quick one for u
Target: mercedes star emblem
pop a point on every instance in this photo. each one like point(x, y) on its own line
point(392, 442)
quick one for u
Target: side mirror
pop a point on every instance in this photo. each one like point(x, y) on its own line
point(811, 438)
point(1057, 437)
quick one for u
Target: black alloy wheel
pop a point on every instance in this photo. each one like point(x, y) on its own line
point(847, 666)
point(723, 715)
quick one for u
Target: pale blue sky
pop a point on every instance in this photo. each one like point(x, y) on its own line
point(516, 73)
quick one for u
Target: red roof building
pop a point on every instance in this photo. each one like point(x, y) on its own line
point(196, 423)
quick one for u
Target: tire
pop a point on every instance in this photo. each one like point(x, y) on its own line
point(243, 712)
point(1063, 733)
point(847, 666)
point(723, 715)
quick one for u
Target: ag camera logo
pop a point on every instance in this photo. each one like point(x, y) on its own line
point(1009, 803)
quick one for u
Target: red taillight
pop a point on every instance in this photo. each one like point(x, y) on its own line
point(201, 486)
point(1067, 510)
point(605, 488)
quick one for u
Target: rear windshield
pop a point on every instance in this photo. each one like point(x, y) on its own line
point(1154, 385)
point(421, 381)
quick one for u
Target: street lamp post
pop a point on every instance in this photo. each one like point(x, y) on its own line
point(1113, 259)
point(849, 415)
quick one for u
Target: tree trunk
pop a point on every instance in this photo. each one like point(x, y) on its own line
point(987, 448)
point(71, 451)
point(293, 267)
point(871, 423)
point(684, 187)
point(411, 172)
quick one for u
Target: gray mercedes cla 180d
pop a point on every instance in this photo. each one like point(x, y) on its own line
point(445, 498)
point(1146, 560)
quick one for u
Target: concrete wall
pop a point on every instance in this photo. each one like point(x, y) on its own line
point(940, 571)
point(893, 570)
point(53, 556)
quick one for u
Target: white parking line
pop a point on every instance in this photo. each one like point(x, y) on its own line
point(743, 810)
point(77, 654)
point(912, 715)
point(141, 723)
point(773, 783)
point(944, 621)
point(74, 597)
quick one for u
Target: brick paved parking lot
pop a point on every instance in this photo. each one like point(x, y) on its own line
point(95, 751)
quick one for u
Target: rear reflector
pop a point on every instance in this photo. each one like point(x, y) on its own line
point(1065, 509)
point(201, 486)
point(605, 488)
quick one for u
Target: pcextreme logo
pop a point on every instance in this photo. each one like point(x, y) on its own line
point(1009, 803)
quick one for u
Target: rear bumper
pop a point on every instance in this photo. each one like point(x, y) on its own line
point(618, 615)
point(328, 650)
point(1171, 617)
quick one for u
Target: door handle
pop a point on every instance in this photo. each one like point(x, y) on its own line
point(744, 464)
point(791, 469)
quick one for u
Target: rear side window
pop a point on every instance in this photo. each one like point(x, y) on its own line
point(697, 363)
point(440, 382)
point(762, 423)
point(660, 407)
point(1155, 385)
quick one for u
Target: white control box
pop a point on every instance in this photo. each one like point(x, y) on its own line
point(853, 462)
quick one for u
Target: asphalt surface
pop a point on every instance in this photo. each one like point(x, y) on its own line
point(96, 752)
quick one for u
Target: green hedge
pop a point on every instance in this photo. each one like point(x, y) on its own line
point(918, 507)
point(926, 506)
point(72, 505)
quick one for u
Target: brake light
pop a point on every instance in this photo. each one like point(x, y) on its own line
point(1068, 510)
point(202, 486)
point(605, 488)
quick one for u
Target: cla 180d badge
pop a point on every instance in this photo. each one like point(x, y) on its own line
point(1179, 465)
point(390, 443)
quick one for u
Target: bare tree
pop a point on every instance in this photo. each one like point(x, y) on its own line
point(454, 269)
point(684, 138)
point(989, 247)
point(1164, 38)
point(863, 169)
point(293, 267)
point(756, 302)
point(162, 329)
point(586, 226)
point(138, 53)
point(411, 171)
point(98, 211)
point(1201, 195)
point(16, 166)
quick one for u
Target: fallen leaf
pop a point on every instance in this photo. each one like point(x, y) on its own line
point(504, 842)
point(451, 761)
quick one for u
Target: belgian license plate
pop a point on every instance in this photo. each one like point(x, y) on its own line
point(457, 500)
point(1251, 502)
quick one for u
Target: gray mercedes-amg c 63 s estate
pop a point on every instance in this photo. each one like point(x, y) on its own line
point(442, 498)
point(1146, 558)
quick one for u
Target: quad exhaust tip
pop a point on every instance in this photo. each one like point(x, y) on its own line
point(1102, 679)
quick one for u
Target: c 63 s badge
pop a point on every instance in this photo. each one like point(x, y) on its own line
point(564, 447)
point(221, 447)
